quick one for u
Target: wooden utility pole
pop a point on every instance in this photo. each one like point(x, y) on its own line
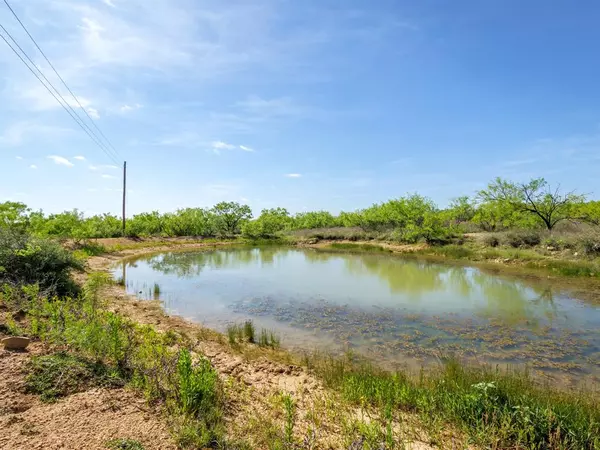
point(124, 192)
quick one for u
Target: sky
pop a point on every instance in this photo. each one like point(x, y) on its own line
point(313, 104)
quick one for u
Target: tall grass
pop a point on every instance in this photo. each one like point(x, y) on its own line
point(105, 346)
point(495, 408)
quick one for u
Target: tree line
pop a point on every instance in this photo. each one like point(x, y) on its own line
point(502, 205)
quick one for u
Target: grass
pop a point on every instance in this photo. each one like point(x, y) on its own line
point(246, 332)
point(61, 374)
point(106, 349)
point(156, 289)
point(124, 444)
point(496, 409)
point(350, 246)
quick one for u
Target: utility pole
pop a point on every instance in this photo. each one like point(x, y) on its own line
point(124, 192)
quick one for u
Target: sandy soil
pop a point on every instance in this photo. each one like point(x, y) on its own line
point(87, 420)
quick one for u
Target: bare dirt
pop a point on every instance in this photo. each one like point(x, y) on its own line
point(87, 420)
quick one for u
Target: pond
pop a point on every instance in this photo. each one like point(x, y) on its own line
point(398, 312)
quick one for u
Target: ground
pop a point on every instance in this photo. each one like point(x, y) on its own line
point(84, 420)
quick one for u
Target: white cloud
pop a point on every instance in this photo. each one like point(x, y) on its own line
point(93, 113)
point(105, 175)
point(79, 158)
point(220, 145)
point(19, 157)
point(293, 175)
point(109, 3)
point(127, 108)
point(33, 166)
point(61, 161)
point(246, 149)
point(102, 166)
point(22, 132)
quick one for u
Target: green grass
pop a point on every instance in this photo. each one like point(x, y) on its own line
point(495, 409)
point(245, 332)
point(61, 374)
point(350, 246)
point(268, 338)
point(156, 289)
point(124, 444)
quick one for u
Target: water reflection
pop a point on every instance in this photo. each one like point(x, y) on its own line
point(382, 305)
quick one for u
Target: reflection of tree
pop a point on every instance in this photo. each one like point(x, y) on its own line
point(402, 276)
point(508, 299)
point(190, 264)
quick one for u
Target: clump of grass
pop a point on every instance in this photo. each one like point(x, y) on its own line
point(61, 374)
point(241, 333)
point(290, 418)
point(156, 289)
point(124, 444)
point(198, 397)
point(249, 331)
point(90, 248)
point(268, 338)
point(349, 246)
point(495, 408)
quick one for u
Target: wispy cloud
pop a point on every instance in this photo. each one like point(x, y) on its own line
point(19, 157)
point(246, 149)
point(79, 158)
point(33, 166)
point(105, 175)
point(61, 160)
point(220, 145)
point(123, 109)
point(293, 175)
point(102, 167)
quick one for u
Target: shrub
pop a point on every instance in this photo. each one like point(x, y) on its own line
point(62, 374)
point(591, 245)
point(28, 260)
point(491, 240)
point(523, 238)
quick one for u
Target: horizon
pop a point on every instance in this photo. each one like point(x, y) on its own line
point(311, 106)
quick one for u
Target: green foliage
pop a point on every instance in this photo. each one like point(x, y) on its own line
point(29, 260)
point(360, 247)
point(241, 333)
point(535, 198)
point(14, 215)
point(268, 338)
point(198, 384)
point(61, 374)
point(230, 216)
point(494, 408)
point(316, 219)
point(269, 223)
point(124, 444)
point(461, 209)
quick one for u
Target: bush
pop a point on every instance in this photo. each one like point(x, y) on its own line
point(591, 245)
point(491, 240)
point(28, 260)
point(62, 374)
point(517, 239)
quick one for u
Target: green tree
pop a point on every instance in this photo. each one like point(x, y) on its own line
point(537, 198)
point(230, 216)
point(269, 223)
point(14, 215)
point(461, 209)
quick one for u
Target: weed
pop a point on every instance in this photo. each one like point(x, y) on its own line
point(124, 444)
point(268, 338)
point(61, 374)
point(358, 247)
point(156, 289)
point(249, 331)
point(290, 418)
point(491, 240)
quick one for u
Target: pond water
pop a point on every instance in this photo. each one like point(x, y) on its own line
point(399, 312)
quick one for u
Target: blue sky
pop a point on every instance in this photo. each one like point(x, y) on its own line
point(305, 104)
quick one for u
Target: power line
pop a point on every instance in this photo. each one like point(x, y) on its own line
point(61, 79)
point(76, 118)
